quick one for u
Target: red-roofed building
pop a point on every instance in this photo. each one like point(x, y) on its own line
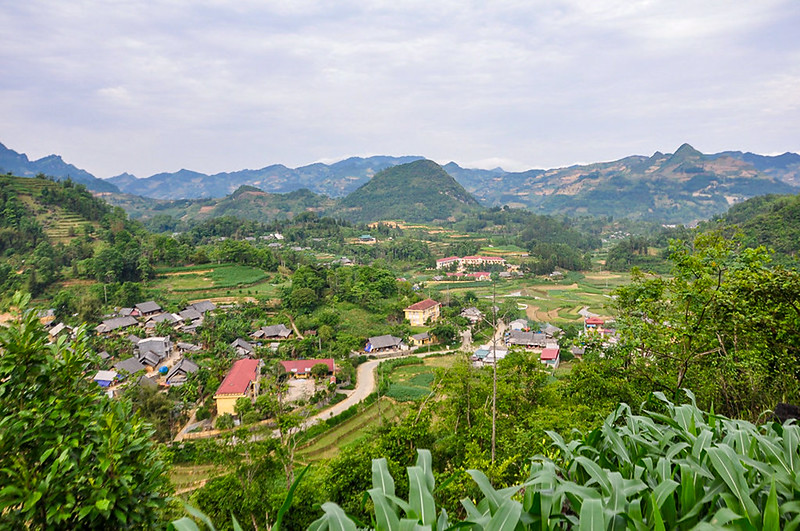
point(469, 261)
point(423, 312)
point(550, 356)
point(483, 260)
point(593, 323)
point(240, 382)
point(302, 368)
point(444, 262)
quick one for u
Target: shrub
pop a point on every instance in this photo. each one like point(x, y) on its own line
point(224, 422)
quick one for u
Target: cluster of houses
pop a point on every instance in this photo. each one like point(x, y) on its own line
point(242, 381)
point(156, 361)
point(519, 334)
point(149, 314)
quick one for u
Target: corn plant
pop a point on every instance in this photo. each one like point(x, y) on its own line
point(685, 469)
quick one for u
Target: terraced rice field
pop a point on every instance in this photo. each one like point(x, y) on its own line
point(349, 432)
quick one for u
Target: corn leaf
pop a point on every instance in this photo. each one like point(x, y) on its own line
point(420, 497)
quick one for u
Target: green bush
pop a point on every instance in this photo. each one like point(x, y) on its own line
point(224, 422)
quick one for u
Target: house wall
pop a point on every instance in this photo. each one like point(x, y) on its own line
point(420, 317)
point(225, 404)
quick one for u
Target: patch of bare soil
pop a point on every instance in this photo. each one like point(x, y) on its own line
point(181, 273)
point(77, 282)
point(556, 286)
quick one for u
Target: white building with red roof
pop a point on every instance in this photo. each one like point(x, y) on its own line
point(469, 261)
point(423, 312)
point(550, 356)
point(302, 368)
point(240, 382)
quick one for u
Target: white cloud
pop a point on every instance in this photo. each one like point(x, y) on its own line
point(217, 85)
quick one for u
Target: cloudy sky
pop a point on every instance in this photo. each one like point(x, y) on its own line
point(217, 85)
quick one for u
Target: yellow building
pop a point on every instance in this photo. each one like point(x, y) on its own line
point(423, 312)
point(240, 382)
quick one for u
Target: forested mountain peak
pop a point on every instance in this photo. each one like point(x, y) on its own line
point(416, 191)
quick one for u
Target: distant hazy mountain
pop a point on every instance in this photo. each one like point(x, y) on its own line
point(334, 180)
point(674, 187)
point(247, 202)
point(680, 187)
point(784, 167)
point(416, 191)
point(52, 166)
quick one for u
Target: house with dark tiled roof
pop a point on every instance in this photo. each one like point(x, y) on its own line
point(190, 314)
point(202, 306)
point(383, 344)
point(180, 371)
point(117, 323)
point(243, 348)
point(130, 365)
point(278, 331)
point(148, 308)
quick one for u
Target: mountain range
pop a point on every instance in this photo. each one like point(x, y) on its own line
point(672, 187)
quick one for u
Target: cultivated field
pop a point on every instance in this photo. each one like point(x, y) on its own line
point(214, 281)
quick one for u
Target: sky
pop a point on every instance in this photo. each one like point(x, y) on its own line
point(213, 85)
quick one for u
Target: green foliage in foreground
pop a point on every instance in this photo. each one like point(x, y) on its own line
point(685, 469)
point(70, 458)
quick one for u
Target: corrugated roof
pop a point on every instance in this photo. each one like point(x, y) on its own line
point(304, 366)
point(386, 341)
point(549, 354)
point(239, 378)
point(148, 307)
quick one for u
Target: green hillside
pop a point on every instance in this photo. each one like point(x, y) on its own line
point(419, 191)
point(770, 220)
point(247, 202)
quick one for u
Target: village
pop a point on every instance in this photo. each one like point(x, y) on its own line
point(163, 359)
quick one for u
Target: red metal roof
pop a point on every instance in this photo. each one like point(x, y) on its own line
point(448, 259)
point(304, 366)
point(238, 379)
point(423, 305)
point(485, 258)
point(594, 321)
point(549, 354)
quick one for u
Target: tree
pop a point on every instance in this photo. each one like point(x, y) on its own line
point(69, 456)
point(725, 324)
point(444, 332)
point(319, 370)
point(242, 406)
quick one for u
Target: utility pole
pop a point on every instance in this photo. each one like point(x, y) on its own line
point(494, 368)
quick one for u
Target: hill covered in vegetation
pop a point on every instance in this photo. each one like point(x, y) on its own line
point(247, 202)
point(770, 220)
point(417, 191)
